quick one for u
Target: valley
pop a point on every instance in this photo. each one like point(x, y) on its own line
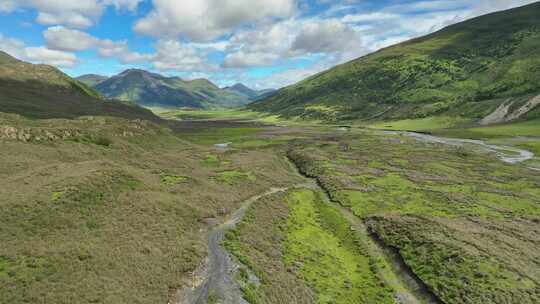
point(162, 187)
point(410, 175)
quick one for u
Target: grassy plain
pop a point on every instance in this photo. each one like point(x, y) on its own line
point(89, 202)
point(463, 221)
point(106, 210)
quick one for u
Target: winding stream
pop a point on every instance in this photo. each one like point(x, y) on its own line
point(507, 154)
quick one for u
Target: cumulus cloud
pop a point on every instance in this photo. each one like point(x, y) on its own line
point(41, 54)
point(174, 56)
point(74, 14)
point(60, 38)
point(204, 20)
point(326, 36)
point(292, 39)
point(14, 47)
point(53, 57)
point(7, 6)
point(241, 59)
point(64, 39)
point(130, 5)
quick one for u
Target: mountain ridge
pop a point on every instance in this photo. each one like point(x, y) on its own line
point(43, 91)
point(151, 89)
point(468, 68)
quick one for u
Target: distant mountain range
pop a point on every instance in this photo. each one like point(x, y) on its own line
point(91, 80)
point(151, 89)
point(42, 91)
point(484, 67)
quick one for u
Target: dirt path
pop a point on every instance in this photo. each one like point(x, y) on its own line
point(214, 282)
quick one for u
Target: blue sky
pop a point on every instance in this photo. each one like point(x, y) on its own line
point(261, 43)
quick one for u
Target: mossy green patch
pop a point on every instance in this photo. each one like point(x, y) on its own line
point(234, 176)
point(332, 264)
point(172, 179)
point(56, 195)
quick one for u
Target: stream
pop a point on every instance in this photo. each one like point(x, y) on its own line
point(507, 154)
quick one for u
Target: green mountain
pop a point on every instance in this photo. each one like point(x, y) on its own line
point(42, 91)
point(91, 80)
point(150, 89)
point(470, 69)
point(249, 93)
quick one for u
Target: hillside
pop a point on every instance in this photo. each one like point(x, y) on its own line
point(150, 89)
point(467, 69)
point(91, 80)
point(42, 91)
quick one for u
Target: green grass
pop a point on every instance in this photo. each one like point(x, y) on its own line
point(118, 224)
point(295, 240)
point(221, 135)
point(527, 128)
point(421, 124)
point(171, 179)
point(459, 218)
point(234, 177)
point(320, 243)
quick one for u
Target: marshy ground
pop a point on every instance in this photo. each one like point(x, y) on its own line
point(106, 210)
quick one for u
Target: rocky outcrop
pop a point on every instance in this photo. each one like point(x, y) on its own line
point(504, 114)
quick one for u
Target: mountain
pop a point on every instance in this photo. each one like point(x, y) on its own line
point(42, 91)
point(91, 80)
point(151, 89)
point(243, 90)
point(249, 93)
point(469, 69)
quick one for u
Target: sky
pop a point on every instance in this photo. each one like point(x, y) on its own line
point(261, 43)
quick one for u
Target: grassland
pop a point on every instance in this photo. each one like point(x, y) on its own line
point(421, 124)
point(89, 202)
point(461, 222)
point(529, 128)
point(107, 210)
point(310, 245)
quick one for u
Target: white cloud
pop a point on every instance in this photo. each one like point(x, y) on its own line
point(60, 38)
point(120, 50)
point(264, 46)
point(326, 36)
point(370, 17)
point(73, 14)
point(64, 39)
point(173, 56)
point(204, 20)
point(7, 6)
point(244, 60)
point(41, 54)
point(14, 47)
point(130, 5)
point(53, 57)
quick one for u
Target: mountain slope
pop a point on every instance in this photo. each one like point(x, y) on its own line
point(467, 69)
point(152, 89)
point(249, 93)
point(91, 80)
point(243, 90)
point(42, 91)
